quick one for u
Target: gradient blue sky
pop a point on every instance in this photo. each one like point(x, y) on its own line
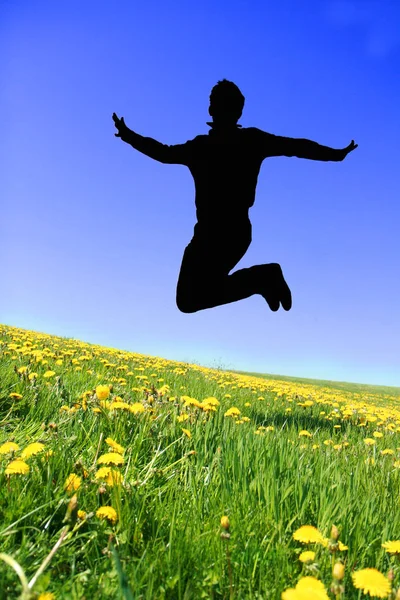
point(93, 232)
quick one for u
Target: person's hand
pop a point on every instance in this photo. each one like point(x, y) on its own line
point(352, 146)
point(123, 130)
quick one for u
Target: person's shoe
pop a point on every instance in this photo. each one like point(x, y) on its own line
point(285, 295)
point(272, 286)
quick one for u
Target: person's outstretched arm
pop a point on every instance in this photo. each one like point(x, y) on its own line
point(177, 154)
point(276, 145)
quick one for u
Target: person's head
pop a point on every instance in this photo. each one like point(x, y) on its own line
point(226, 102)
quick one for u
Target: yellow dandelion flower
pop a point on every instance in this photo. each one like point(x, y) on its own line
point(16, 396)
point(49, 374)
point(225, 522)
point(369, 441)
point(307, 556)
point(342, 547)
point(308, 534)
point(17, 466)
point(102, 392)
point(234, 412)
point(115, 446)
point(46, 596)
point(32, 449)
point(81, 514)
point(182, 417)
point(136, 408)
point(114, 478)
point(187, 432)
point(102, 472)
point(107, 512)
point(308, 588)
point(211, 400)
point(396, 464)
point(72, 483)
point(118, 404)
point(8, 447)
point(372, 581)
point(112, 458)
point(22, 370)
point(387, 451)
point(392, 547)
point(304, 432)
point(377, 434)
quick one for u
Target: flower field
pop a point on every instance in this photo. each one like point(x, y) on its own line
point(130, 476)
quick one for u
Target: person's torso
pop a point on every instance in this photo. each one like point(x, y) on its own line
point(225, 169)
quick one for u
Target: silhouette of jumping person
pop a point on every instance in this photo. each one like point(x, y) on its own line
point(225, 165)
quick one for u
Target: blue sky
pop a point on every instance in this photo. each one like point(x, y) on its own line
point(93, 232)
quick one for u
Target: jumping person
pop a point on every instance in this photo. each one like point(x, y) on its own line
point(225, 165)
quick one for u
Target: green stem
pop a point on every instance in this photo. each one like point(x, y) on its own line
point(19, 571)
point(229, 571)
point(49, 557)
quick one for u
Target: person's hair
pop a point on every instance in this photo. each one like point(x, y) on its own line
point(226, 100)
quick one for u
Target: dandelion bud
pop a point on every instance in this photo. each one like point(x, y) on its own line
point(333, 547)
point(390, 575)
point(72, 511)
point(338, 571)
point(225, 522)
point(334, 533)
point(102, 489)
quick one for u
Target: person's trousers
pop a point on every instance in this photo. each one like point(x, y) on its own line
point(204, 280)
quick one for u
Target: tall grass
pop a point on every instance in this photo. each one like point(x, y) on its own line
point(295, 455)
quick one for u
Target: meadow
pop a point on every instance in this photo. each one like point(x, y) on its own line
point(136, 477)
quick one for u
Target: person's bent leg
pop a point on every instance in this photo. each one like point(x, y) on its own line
point(204, 281)
point(200, 292)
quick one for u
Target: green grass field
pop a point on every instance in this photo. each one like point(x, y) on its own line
point(135, 477)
